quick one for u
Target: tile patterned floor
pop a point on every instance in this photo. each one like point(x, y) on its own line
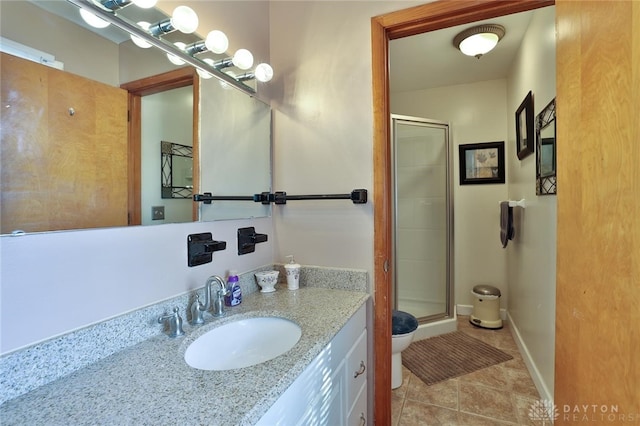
point(497, 395)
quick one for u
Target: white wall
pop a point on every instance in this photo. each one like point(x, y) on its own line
point(476, 112)
point(321, 53)
point(56, 282)
point(532, 257)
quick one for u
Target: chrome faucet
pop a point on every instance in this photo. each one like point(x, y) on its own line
point(175, 323)
point(215, 301)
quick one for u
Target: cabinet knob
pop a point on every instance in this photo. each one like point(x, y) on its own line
point(360, 371)
point(363, 420)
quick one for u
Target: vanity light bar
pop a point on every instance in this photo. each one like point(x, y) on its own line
point(160, 44)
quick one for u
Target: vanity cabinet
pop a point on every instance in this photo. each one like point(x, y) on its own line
point(332, 390)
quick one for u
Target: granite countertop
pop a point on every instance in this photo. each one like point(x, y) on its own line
point(150, 383)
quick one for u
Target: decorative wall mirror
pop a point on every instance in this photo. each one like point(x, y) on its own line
point(546, 150)
point(524, 127)
point(177, 170)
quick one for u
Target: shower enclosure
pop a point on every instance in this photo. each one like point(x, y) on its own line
point(423, 218)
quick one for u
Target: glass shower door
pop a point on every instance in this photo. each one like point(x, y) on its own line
point(422, 218)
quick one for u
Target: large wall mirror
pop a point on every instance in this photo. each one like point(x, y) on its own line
point(233, 128)
point(546, 183)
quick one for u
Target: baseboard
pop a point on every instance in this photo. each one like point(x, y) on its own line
point(466, 310)
point(543, 390)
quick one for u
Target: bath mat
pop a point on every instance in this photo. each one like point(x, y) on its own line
point(450, 355)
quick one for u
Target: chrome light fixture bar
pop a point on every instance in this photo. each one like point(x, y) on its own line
point(160, 44)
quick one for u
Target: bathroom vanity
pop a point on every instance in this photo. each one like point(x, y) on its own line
point(324, 376)
point(333, 388)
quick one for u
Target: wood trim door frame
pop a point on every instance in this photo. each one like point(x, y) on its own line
point(182, 77)
point(404, 23)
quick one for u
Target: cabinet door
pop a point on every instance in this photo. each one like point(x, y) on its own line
point(358, 414)
point(356, 369)
point(328, 407)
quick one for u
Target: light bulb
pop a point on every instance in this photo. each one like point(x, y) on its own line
point(205, 74)
point(173, 58)
point(479, 44)
point(93, 20)
point(145, 4)
point(263, 72)
point(217, 42)
point(184, 19)
point(243, 59)
point(139, 41)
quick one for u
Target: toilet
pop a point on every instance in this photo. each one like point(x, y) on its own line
point(403, 327)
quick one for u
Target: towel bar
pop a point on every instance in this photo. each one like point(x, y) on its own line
point(520, 203)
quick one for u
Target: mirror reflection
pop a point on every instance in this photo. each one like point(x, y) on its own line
point(546, 150)
point(90, 174)
point(177, 170)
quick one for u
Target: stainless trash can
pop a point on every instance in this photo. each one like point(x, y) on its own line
point(486, 307)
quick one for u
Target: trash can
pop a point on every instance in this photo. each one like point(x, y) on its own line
point(486, 307)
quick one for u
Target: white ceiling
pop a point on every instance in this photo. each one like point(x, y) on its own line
point(431, 60)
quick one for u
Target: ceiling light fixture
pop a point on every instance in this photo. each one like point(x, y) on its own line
point(477, 41)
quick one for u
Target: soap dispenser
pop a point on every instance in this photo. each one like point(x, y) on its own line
point(293, 273)
point(234, 292)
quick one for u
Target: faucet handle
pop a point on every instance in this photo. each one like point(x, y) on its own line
point(197, 310)
point(175, 323)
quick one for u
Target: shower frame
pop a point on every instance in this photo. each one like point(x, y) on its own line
point(449, 305)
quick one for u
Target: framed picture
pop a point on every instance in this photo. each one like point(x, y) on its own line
point(481, 163)
point(524, 127)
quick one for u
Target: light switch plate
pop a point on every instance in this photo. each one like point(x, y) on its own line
point(157, 213)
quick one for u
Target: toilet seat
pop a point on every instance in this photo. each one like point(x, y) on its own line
point(403, 323)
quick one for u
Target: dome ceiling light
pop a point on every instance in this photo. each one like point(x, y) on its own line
point(477, 41)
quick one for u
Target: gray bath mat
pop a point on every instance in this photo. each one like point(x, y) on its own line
point(450, 355)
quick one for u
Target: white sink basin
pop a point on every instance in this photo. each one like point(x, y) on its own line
point(242, 343)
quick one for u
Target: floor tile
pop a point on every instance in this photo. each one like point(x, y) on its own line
point(417, 413)
point(443, 394)
point(487, 402)
point(502, 394)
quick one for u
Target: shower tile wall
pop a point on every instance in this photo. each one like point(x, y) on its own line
point(421, 179)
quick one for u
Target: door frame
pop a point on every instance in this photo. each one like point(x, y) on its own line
point(182, 77)
point(403, 23)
